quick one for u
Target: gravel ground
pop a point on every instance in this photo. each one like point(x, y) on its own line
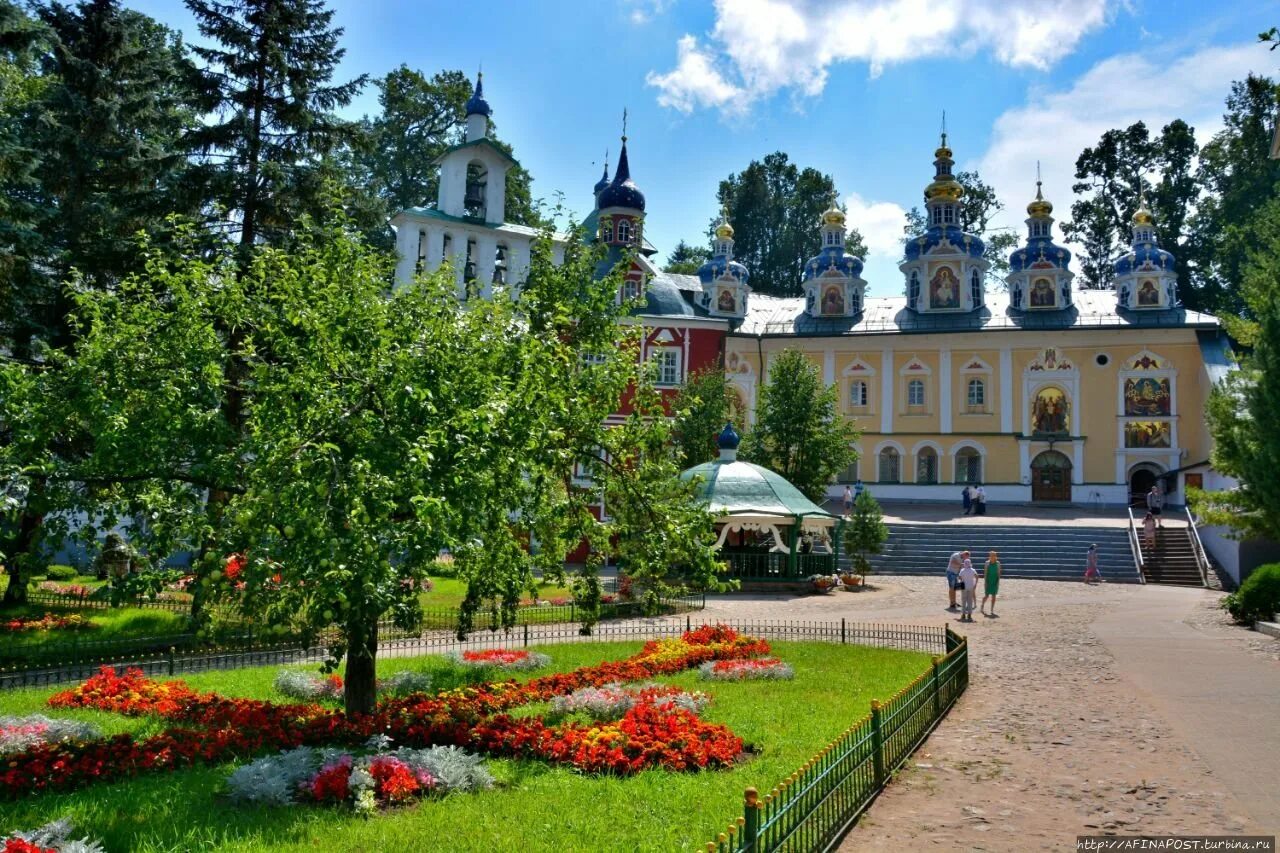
point(1049, 741)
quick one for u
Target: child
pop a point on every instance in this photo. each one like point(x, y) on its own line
point(969, 578)
point(1091, 573)
point(992, 587)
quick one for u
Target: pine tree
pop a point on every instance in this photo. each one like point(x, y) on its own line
point(865, 532)
point(268, 81)
point(685, 259)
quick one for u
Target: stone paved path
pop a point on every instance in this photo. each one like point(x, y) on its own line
point(1076, 720)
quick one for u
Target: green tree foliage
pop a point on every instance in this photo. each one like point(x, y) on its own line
point(865, 532)
point(686, 259)
point(1239, 180)
point(1241, 412)
point(775, 209)
point(267, 82)
point(799, 431)
point(977, 206)
point(1110, 178)
point(701, 409)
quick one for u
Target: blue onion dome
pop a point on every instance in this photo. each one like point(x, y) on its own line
point(728, 438)
point(970, 244)
point(622, 191)
point(476, 104)
point(1040, 248)
point(603, 183)
point(1146, 245)
point(833, 257)
point(716, 266)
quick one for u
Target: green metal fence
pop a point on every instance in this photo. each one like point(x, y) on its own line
point(766, 566)
point(813, 808)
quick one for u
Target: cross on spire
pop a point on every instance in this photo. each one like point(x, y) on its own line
point(624, 124)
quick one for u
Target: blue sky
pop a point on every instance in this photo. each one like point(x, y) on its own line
point(855, 88)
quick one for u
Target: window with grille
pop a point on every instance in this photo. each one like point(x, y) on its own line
point(915, 392)
point(977, 396)
point(630, 289)
point(858, 393)
point(913, 292)
point(624, 231)
point(968, 466)
point(890, 466)
point(975, 287)
point(668, 365)
point(927, 465)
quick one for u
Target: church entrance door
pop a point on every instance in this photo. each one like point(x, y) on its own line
point(1051, 477)
point(1140, 482)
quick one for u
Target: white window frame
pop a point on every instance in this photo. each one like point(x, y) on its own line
point(980, 385)
point(624, 231)
point(921, 455)
point(913, 384)
point(630, 289)
point(668, 366)
point(854, 387)
point(884, 454)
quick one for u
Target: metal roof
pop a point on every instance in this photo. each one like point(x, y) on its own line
point(741, 488)
point(1092, 309)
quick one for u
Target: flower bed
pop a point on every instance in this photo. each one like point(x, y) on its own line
point(78, 590)
point(744, 670)
point(51, 838)
point(211, 729)
point(21, 733)
point(612, 701)
point(362, 781)
point(309, 688)
point(48, 622)
point(509, 660)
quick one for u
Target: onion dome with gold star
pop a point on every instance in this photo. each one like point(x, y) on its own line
point(721, 260)
point(942, 211)
point(832, 255)
point(1145, 252)
point(1040, 250)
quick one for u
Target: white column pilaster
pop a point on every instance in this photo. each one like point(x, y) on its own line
point(944, 391)
point(435, 249)
point(407, 237)
point(887, 376)
point(1006, 390)
point(1024, 460)
point(486, 257)
point(829, 367)
point(1077, 462)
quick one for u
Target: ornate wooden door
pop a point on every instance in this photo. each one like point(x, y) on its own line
point(1051, 477)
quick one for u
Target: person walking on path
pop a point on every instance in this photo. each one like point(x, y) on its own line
point(857, 490)
point(969, 580)
point(1155, 504)
point(979, 501)
point(953, 573)
point(1149, 530)
point(848, 500)
point(991, 586)
point(966, 497)
point(1091, 573)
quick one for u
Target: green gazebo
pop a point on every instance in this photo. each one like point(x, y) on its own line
point(762, 519)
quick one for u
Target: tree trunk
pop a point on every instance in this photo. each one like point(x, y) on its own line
point(361, 693)
point(18, 560)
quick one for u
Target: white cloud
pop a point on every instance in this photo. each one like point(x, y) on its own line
point(879, 222)
point(1054, 127)
point(694, 82)
point(771, 45)
point(644, 11)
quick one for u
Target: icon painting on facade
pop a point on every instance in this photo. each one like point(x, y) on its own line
point(1147, 396)
point(1042, 293)
point(1147, 434)
point(1050, 412)
point(833, 300)
point(944, 289)
point(1148, 294)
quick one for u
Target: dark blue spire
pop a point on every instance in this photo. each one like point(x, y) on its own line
point(476, 104)
point(622, 191)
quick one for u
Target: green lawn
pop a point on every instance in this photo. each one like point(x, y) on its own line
point(449, 592)
point(116, 626)
point(536, 807)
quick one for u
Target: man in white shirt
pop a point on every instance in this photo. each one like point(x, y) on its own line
point(953, 572)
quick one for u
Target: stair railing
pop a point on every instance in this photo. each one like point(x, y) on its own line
point(1202, 558)
point(1135, 545)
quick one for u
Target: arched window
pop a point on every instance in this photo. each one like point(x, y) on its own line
point(927, 465)
point(831, 238)
point(624, 231)
point(937, 216)
point(913, 290)
point(858, 393)
point(630, 289)
point(915, 392)
point(977, 395)
point(890, 466)
point(975, 287)
point(948, 214)
point(606, 231)
point(968, 465)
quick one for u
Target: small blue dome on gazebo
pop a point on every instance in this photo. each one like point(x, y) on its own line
point(729, 438)
point(476, 104)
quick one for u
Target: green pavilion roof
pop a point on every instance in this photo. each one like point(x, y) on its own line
point(735, 488)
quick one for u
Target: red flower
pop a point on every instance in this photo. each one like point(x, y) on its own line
point(394, 781)
point(333, 782)
point(235, 565)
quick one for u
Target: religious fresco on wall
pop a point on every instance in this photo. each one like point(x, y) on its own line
point(833, 300)
point(1050, 359)
point(1042, 293)
point(944, 289)
point(1148, 294)
point(1148, 434)
point(1147, 396)
point(725, 301)
point(1050, 411)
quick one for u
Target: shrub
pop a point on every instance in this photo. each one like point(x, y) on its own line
point(21, 733)
point(1258, 598)
point(60, 573)
point(54, 836)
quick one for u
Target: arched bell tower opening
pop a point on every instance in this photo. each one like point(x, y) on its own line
point(474, 198)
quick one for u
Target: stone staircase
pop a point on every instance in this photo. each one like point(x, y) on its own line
point(1036, 551)
point(1173, 559)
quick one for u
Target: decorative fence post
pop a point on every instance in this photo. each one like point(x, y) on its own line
point(877, 742)
point(688, 623)
point(171, 660)
point(751, 818)
point(526, 634)
point(843, 635)
point(937, 691)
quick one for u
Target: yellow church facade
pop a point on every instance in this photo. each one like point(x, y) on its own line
point(1036, 392)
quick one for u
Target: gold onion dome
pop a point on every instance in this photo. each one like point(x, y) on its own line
point(833, 216)
point(1142, 216)
point(1040, 206)
point(948, 189)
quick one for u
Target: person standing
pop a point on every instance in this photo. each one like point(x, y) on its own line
point(848, 500)
point(979, 501)
point(857, 490)
point(991, 583)
point(1091, 573)
point(1149, 530)
point(953, 574)
point(969, 580)
point(966, 497)
point(1155, 504)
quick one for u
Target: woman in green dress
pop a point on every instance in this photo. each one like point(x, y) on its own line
point(992, 576)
